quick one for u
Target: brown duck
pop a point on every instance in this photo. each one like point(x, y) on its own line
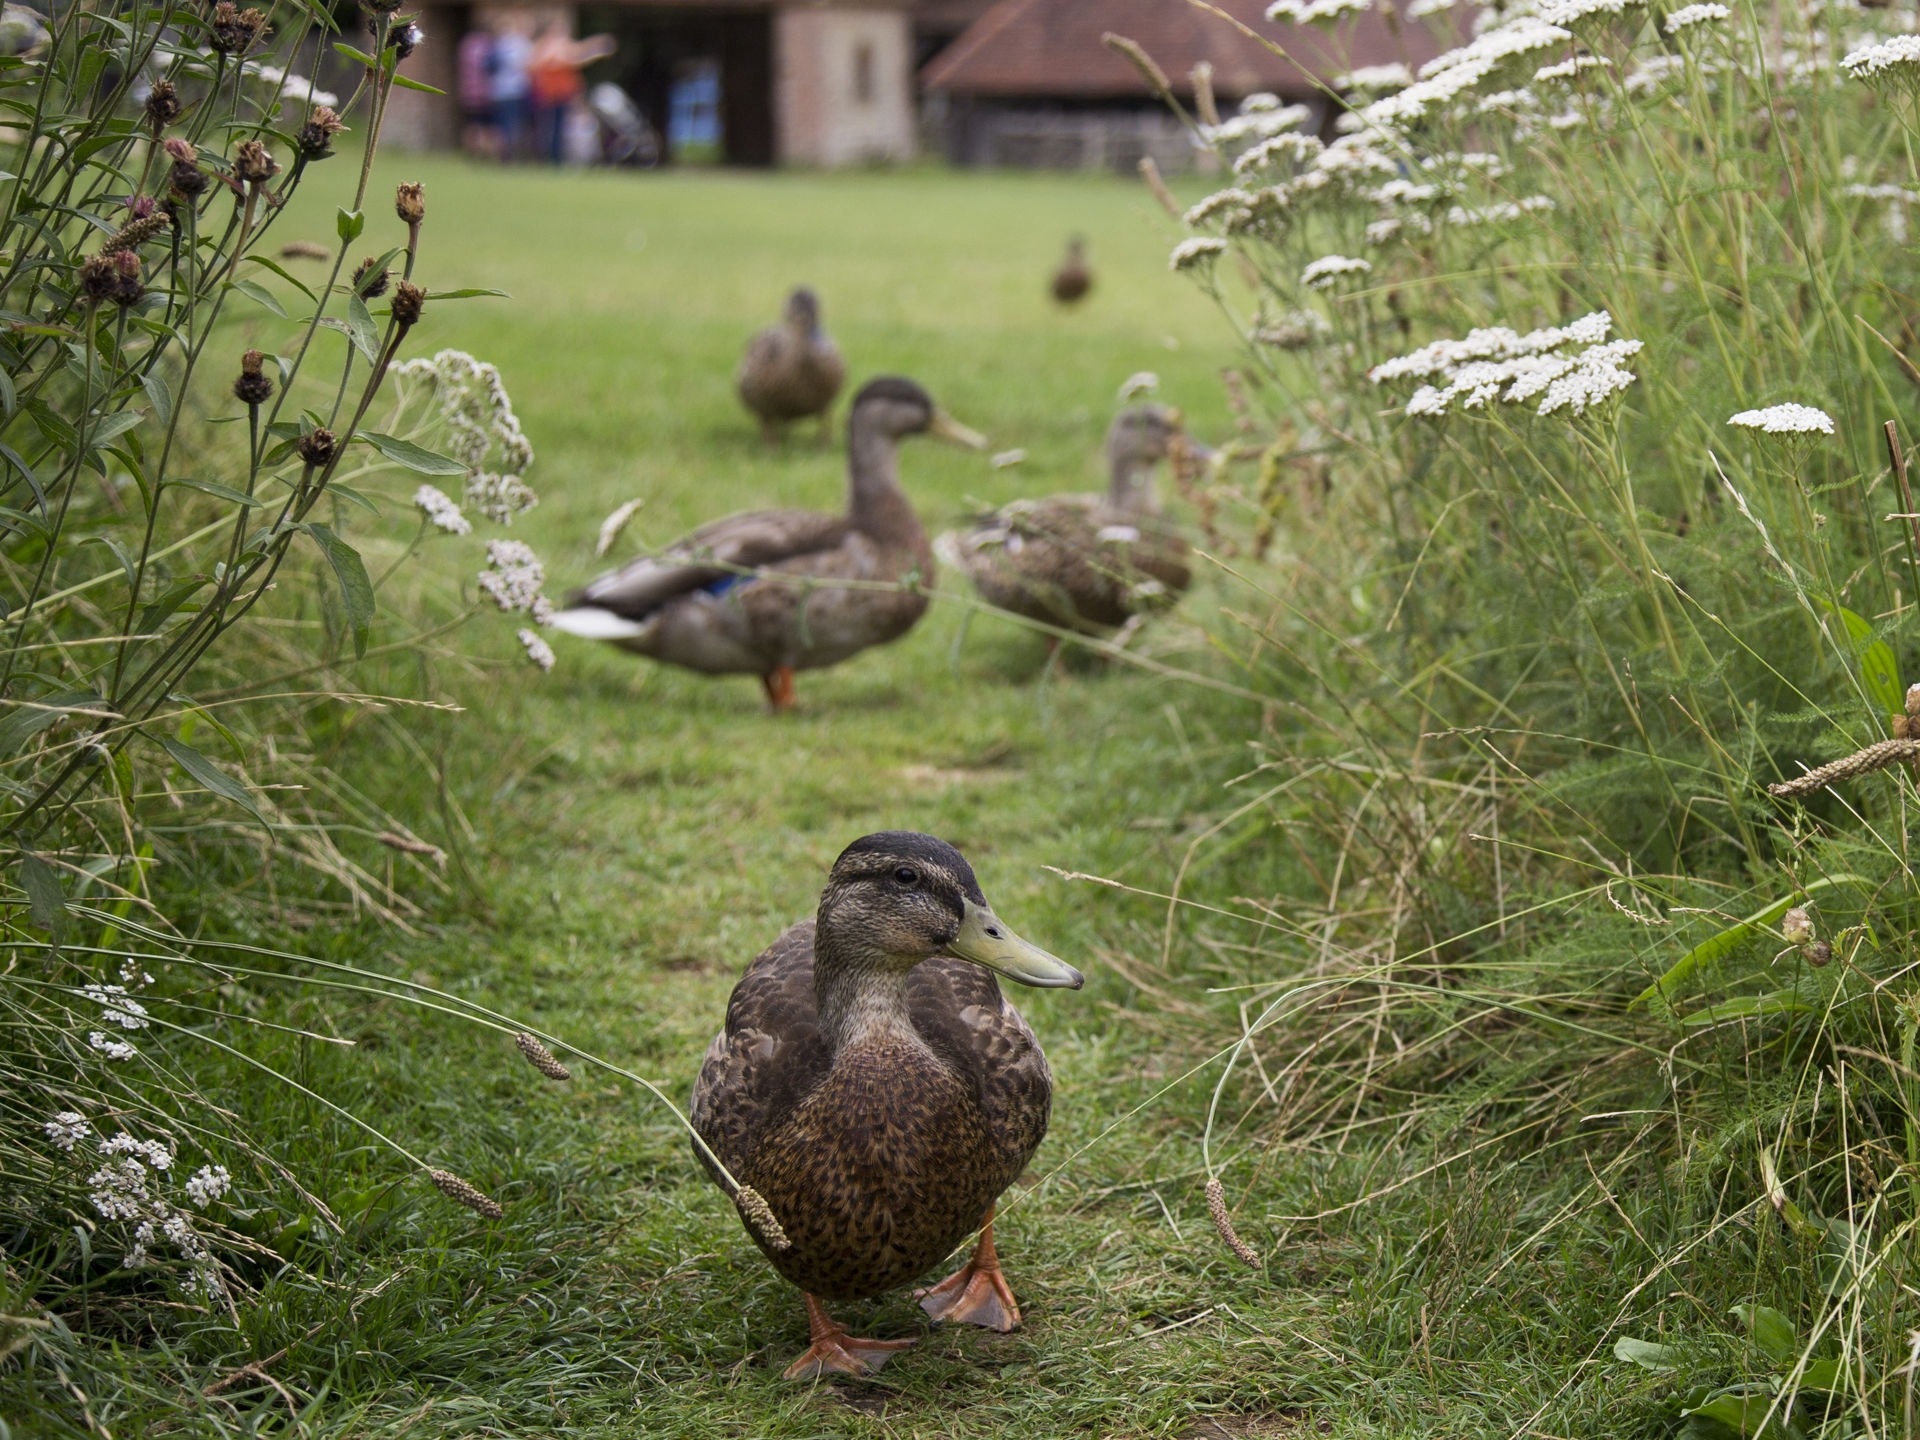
point(792, 370)
point(875, 1087)
point(770, 592)
point(1089, 563)
point(1074, 277)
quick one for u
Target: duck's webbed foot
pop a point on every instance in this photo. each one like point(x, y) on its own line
point(977, 1293)
point(778, 684)
point(835, 1352)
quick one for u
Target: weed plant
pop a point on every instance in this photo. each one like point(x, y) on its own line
point(1590, 520)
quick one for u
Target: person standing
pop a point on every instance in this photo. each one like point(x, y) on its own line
point(555, 84)
point(511, 85)
point(479, 135)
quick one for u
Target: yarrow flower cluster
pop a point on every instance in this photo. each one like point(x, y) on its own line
point(1688, 16)
point(483, 433)
point(513, 576)
point(1261, 116)
point(1568, 367)
point(1326, 272)
point(112, 1049)
point(293, 87)
point(538, 651)
point(67, 1129)
point(1889, 62)
point(1447, 77)
point(126, 1184)
point(117, 1007)
point(1192, 254)
point(440, 510)
point(1308, 12)
point(1789, 419)
point(1376, 78)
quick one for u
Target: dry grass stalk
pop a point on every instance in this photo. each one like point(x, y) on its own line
point(454, 1188)
point(541, 1058)
point(406, 844)
point(1150, 173)
point(1861, 762)
point(1155, 77)
point(759, 1216)
point(1223, 1222)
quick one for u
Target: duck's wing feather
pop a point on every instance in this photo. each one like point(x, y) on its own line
point(959, 1011)
point(767, 1056)
point(713, 558)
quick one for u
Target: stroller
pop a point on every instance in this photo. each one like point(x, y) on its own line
point(625, 136)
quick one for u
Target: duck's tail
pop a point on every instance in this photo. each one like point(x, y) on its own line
point(590, 622)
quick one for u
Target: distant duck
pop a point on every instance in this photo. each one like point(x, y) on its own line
point(792, 370)
point(880, 1093)
point(769, 592)
point(1074, 278)
point(1089, 563)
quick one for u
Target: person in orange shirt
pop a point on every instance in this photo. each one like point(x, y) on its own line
point(554, 71)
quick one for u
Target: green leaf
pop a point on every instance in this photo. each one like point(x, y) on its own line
point(118, 552)
point(1646, 1354)
point(217, 490)
point(45, 903)
point(356, 590)
point(348, 224)
point(425, 89)
point(155, 384)
point(115, 425)
point(29, 719)
point(1743, 1413)
point(260, 295)
point(1749, 1007)
point(212, 776)
point(1771, 1331)
point(405, 452)
point(353, 54)
point(360, 329)
point(1718, 946)
point(1822, 1374)
point(467, 294)
point(1879, 670)
point(285, 274)
point(347, 492)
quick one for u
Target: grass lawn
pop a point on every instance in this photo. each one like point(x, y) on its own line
point(644, 832)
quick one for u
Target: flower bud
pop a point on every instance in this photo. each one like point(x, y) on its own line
point(408, 301)
point(1797, 926)
point(163, 106)
point(252, 164)
point(233, 32)
point(253, 387)
point(317, 448)
point(315, 140)
point(409, 203)
point(368, 282)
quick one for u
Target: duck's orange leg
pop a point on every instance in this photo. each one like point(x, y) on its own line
point(779, 687)
point(976, 1293)
point(834, 1351)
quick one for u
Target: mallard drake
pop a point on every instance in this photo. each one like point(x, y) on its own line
point(1089, 563)
point(878, 1091)
point(1074, 278)
point(791, 370)
point(770, 592)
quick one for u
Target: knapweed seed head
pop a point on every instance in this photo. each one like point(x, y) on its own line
point(539, 1056)
point(253, 164)
point(163, 106)
point(253, 387)
point(405, 38)
point(232, 31)
point(454, 1188)
point(315, 140)
point(370, 279)
point(409, 300)
point(410, 202)
point(318, 447)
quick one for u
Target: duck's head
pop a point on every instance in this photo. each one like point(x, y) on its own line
point(897, 897)
point(803, 309)
point(896, 407)
point(1140, 437)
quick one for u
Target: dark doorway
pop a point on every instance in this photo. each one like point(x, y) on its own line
point(661, 46)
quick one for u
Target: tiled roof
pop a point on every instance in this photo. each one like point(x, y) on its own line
point(1052, 49)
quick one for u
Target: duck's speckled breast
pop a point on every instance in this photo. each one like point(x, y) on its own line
point(879, 1173)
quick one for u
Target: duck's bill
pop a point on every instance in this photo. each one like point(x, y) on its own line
point(985, 939)
point(948, 428)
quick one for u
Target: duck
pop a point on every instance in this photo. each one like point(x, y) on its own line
point(1087, 563)
point(877, 1090)
point(772, 592)
point(792, 370)
point(1074, 278)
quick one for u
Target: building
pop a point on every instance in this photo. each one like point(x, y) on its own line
point(1032, 83)
point(791, 82)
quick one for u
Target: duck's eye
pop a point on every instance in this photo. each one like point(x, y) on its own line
point(906, 875)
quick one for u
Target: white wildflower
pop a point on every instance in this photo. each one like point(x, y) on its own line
point(1421, 9)
point(615, 524)
point(1499, 211)
point(1572, 12)
point(208, 1184)
point(1325, 272)
point(67, 1129)
point(514, 575)
point(1286, 149)
point(1006, 459)
point(132, 976)
point(151, 1151)
point(1567, 69)
point(1376, 78)
point(117, 1007)
point(440, 510)
point(1308, 12)
point(293, 87)
point(538, 651)
point(483, 433)
point(1193, 254)
point(1788, 419)
point(1596, 377)
point(541, 610)
point(1569, 367)
point(1143, 382)
point(1221, 204)
point(1889, 62)
point(1449, 76)
point(1688, 16)
point(112, 1049)
point(1507, 100)
point(1654, 73)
